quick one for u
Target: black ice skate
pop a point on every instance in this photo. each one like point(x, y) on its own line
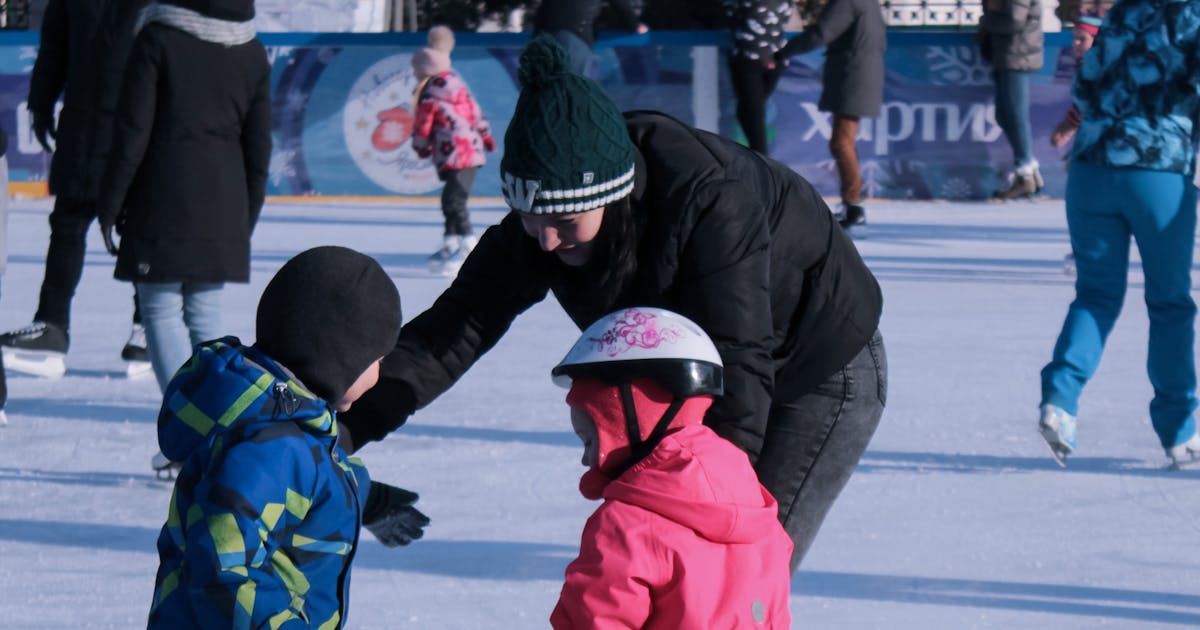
point(38, 349)
point(137, 359)
point(853, 219)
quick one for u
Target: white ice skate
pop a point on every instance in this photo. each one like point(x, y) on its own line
point(1058, 429)
point(1186, 455)
point(44, 363)
point(137, 360)
point(165, 469)
point(3, 418)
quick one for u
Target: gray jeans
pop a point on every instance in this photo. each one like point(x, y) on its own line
point(814, 442)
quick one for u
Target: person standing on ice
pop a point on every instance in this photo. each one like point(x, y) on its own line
point(686, 537)
point(264, 517)
point(82, 47)
point(610, 211)
point(1131, 175)
point(449, 128)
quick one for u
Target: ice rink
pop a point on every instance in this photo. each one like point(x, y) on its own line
point(957, 517)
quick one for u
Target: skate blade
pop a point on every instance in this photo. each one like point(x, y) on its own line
point(34, 362)
point(137, 369)
point(1059, 450)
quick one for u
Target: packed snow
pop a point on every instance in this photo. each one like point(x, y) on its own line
point(957, 517)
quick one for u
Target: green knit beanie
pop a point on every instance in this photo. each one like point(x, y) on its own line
point(566, 149)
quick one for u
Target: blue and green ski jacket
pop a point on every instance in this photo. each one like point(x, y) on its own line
point(266, 511)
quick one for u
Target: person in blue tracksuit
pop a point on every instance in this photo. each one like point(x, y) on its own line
point(1131, 175)
point(265, 516)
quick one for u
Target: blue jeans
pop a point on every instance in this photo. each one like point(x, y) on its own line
point(1105, 206)
point(1012, 112)
point(177, 316)
point(814, 441)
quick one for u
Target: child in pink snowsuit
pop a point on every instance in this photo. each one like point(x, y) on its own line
point(686, 536)
point(449, 127)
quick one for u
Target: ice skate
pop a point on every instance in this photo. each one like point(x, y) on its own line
point(43, 363)
point(1186, 455)
point(165, 469)
point(455, 262)
point(3, 418)
point(137, 359)
point(1058, 429)
point(1069, 265)
point(853, 219)
point(1024, 182)
point(450, 246)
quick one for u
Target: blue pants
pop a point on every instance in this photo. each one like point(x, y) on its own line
point(1012, 112)
point(177, 316)
point(1105, 206)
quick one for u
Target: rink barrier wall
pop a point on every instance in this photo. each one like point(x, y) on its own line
point(341, 110)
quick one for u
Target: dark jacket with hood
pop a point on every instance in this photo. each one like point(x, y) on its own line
point(1011, 34)
point(579, 16)
point(67, 66)
point(265, 516)
point(736, 242)
point(192, 144)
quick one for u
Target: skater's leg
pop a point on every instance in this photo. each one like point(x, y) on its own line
point(202, 310)
point(454, 201)
point(1161, 208)
point(166, 333)
point(813, 443)
point(1100, 240)
point(69, 222)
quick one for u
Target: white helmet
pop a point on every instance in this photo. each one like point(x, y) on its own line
point(645, 342)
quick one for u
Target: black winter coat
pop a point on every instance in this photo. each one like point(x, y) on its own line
point(191, 152)
point(579, 16)
point(738, 243)
point(855, 38)
point(66, 66)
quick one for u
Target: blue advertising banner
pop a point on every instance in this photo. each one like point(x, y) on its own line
point(342, 108)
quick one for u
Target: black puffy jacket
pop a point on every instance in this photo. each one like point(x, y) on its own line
point(738, 243)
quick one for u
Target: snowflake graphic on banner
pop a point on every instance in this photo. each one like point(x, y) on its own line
point(957, 65)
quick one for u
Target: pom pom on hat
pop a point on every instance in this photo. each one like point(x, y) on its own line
point(441, 38)
point(566, 149)
point(327, 315)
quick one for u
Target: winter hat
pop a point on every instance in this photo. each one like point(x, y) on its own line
point(231, 10)
point(428, 62)
point(1089, 23)
point(327, 315)
point(602, 402)
point(566, 149)
point(441, 38)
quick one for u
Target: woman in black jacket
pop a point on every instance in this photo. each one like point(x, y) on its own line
point(187, 176)
point(644, 210)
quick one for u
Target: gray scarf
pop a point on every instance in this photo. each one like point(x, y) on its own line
point(200, 26)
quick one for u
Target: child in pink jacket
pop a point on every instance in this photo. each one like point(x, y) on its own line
point(449, 127)
point(686, 536)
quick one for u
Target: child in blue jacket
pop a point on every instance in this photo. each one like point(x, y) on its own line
point(266, 510)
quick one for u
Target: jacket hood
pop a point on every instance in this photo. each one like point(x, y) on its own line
point(702, 481)
point(228, 387)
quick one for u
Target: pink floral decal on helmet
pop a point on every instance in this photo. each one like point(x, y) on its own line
point(635, 329)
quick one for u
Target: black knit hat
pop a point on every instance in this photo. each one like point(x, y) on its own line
point(566, 149)
point(328, 313)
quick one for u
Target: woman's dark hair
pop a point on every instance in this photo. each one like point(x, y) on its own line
point(607, 276)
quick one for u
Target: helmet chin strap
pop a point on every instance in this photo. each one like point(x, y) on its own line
point(640, 448)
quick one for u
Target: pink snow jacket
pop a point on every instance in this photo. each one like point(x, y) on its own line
point(686, 538)
point(449, 126)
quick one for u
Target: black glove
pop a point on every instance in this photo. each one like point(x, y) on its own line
point(43, 125)
point(106, 231)
point(389, 515)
